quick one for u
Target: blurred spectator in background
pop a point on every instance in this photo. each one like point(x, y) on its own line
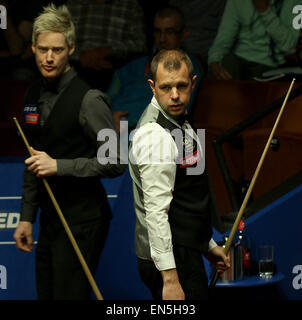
point(299, 50)
point(129, 90)
point(254, 36)
point(202, 18)
point(108, 34)
point(150, 8)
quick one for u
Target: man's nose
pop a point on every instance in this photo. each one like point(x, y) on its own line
point(162, 36)
point(49, 55)
point(174, 93)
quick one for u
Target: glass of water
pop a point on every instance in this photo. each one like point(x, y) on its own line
point(266, 261)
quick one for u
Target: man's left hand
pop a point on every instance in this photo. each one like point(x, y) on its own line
point(261, 5)
point(219, 259)
point(41, 164)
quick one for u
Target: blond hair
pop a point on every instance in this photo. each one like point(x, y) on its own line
point(54, 19)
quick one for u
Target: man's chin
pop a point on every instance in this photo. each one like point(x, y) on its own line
point(176, 114)
point(49, 76)
point(177, 111)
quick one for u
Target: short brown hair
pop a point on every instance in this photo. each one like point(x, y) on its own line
point(171, 11)
point(171, 60)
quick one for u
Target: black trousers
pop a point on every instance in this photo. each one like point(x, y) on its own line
point(191, 273)
point(59, 274)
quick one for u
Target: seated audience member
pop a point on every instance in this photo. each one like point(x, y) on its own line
point(253, 37)
point(129, 90)
point(202, 18)
point(150, 8)
point(109, 34)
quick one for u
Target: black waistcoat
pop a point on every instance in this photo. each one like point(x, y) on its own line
point(189, 213)
point(80, 198)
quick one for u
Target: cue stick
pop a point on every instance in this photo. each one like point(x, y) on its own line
point(249, 191)
point(63, 220)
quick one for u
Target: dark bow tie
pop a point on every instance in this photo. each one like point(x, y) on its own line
point(182, 119)
point(51, 86)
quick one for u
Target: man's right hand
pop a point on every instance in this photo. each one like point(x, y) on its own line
point(219, 72)
point(23, 236)
point(172, 289)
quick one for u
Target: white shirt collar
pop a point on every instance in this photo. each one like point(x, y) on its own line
point(155, 104)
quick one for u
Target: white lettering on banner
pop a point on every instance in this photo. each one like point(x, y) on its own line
point(297, 280)
point(3, 17)
point(3, 277)
point(9, 220)
point(297, 21)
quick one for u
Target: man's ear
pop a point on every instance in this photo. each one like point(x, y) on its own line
point(71, 50)
point(152, 85)
point(33, 48)
point(194, 81)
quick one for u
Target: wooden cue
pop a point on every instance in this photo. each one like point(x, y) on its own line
point(65, 225)
point(254, 178)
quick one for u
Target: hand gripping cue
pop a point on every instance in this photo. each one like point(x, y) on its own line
point(65, 225)
point(249, 191)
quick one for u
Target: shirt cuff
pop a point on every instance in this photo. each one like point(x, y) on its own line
point(64, 167)
point(212, 244)
point(164, 261)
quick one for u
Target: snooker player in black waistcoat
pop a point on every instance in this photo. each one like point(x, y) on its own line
point(62, 119)
point(172, 199)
